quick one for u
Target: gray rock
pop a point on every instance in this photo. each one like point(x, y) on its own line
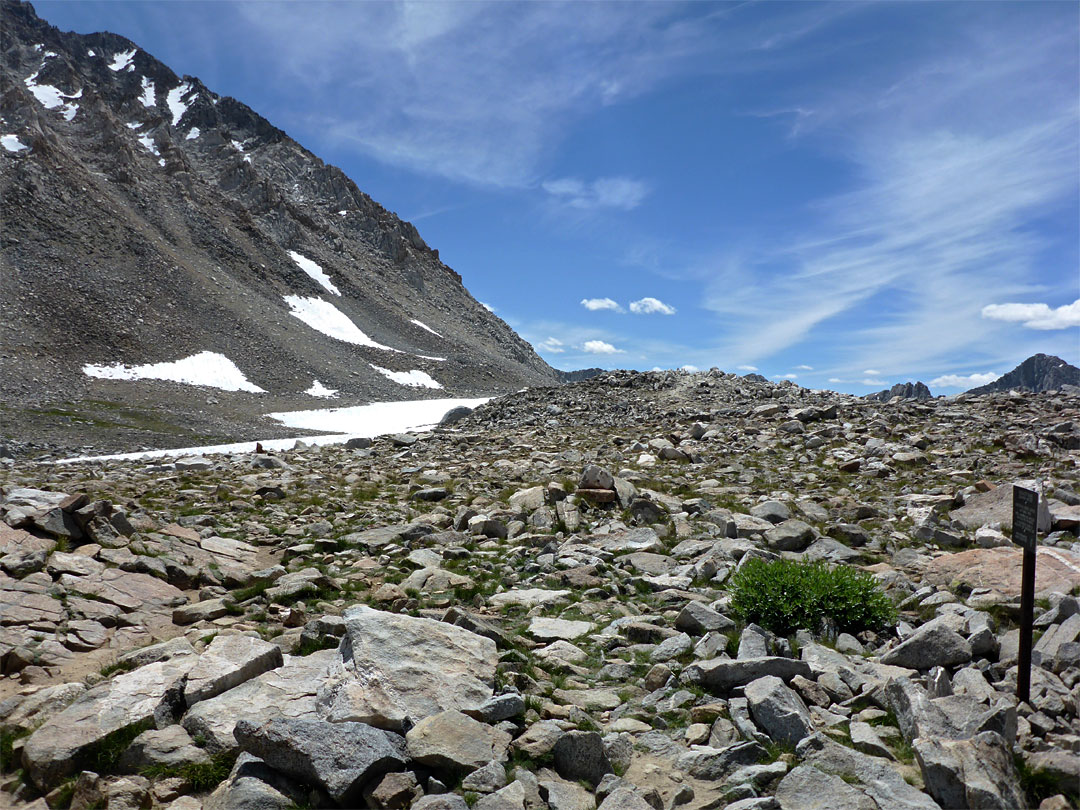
point(624, 799)
point(288, 691)
point(671, 648)
point(721, 675)
point(581, 755)
point(699, 618)
point(488, 779)
point(339, 757)
point(865, 739)
point(227, 662)
point(254, 785)
point(875, 777)
point(778, 710)
point(561, 795)
point(149, 695)
point(772, 511)
point(978, 772)
point(791, 535)
point(931, 645)
point(807, 788)
point(455, 742)
point(170, 746)
point(399, 669)
point(448, 801)
point(703, 762)
point(511, 797)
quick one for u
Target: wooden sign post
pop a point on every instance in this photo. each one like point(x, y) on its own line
point(1025, 526)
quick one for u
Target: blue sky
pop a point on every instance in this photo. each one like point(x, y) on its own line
point(848, 195)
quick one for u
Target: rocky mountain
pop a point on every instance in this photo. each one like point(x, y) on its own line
point(146, 220)
point(1040, 372)
point(544, 607)
point(906, 390)
point(579, 375)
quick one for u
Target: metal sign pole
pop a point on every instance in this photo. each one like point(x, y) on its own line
point(1025, 526)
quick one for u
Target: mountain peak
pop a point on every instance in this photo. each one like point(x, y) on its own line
point(1040, 372)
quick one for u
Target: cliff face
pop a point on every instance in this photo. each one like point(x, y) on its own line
point(146, 219)
point(1040, 372)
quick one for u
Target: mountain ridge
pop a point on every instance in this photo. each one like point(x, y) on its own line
point(147, 219)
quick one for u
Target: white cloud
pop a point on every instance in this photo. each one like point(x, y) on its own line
point(872, 381)
point(650, 306)
point(805, 368)
point(599, 347)
point(964, 381)
point(1035, 316)
point(746, 368)
point(488, 307)
point(785, 376)
point(551, 346)
point(835, 380)
point(872, 372)
point(594, 304)
point(622, 193)
point(690, 368)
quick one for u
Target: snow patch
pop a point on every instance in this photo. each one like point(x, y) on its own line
point(133, 125)
point(413, 379)
point(324, 317)
point(314, 270)
point(148, 142)
point(428, 357)
point(319, 390)
point(205, 368)
point(376, 419)
point(91, 54)
point(425, 326)
point(51, 97)
point(193, 133)
point(147, 97)
point(175, 104)
point(239, 147)
point(122, 60)
point(12, 143)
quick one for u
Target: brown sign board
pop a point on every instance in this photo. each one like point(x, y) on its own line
point(1025, 517)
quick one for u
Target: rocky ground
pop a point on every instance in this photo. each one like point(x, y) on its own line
point(530, 608)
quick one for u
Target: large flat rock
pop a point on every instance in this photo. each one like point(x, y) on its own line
point(288, 691)
point(398, 669)
point(145, 695)
point(999, 569)
point(128, 591)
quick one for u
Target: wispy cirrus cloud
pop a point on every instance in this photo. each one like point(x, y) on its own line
point(954, 164)
point(483, 92)
point(622, 193)
point(1035, 316)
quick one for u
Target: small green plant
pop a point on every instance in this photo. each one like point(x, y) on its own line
point(784, 596)
point(1036, 783)
point(7, 748)
point(201, 776)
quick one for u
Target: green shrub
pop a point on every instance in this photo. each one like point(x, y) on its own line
point(784, 596)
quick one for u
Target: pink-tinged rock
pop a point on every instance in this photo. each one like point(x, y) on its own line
point(1000, 569)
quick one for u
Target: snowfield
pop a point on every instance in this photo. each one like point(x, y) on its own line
point(324, 317)
point(414, 378)
point(376, 419)
point(205, 368)
point(314, 270)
